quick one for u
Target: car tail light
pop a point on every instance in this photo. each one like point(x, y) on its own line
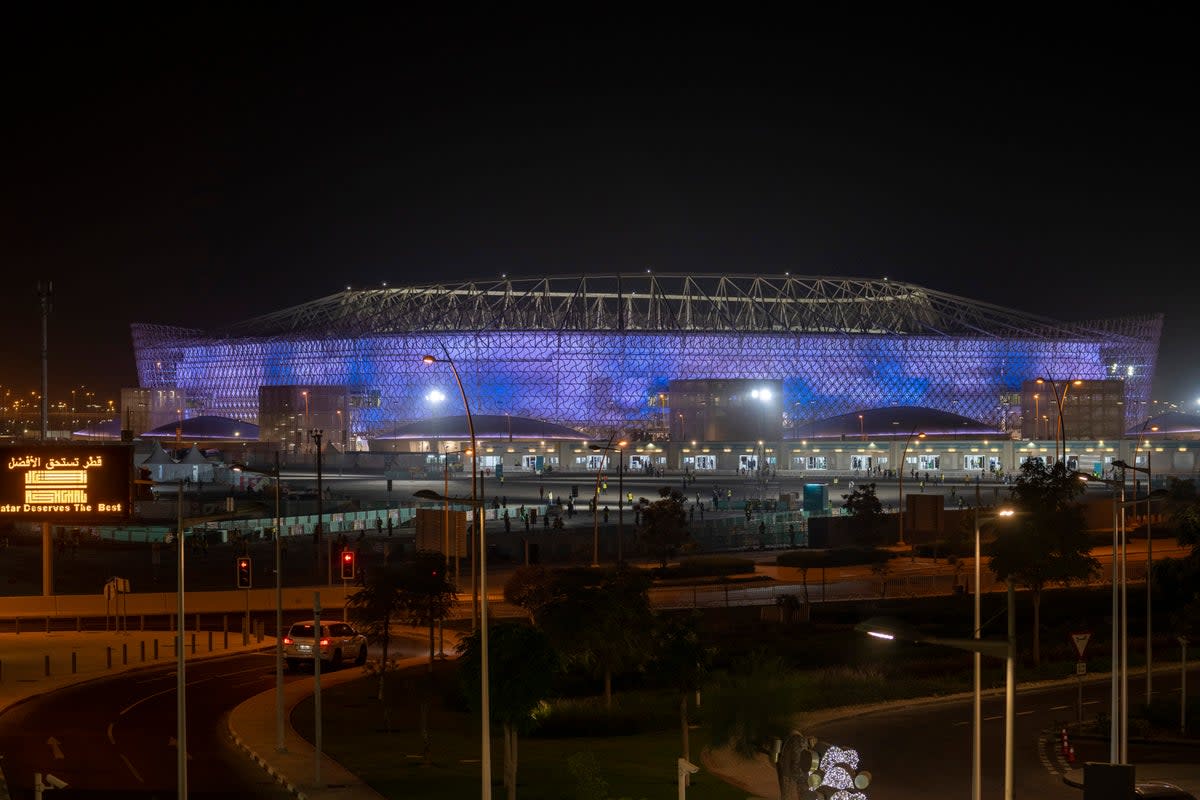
point(288, 640)
point(324, 643)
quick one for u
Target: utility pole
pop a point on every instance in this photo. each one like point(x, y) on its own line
point(316, 434)
point(45, 293)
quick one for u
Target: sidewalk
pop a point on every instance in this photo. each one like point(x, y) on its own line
point(252, 726)
point(36, 663)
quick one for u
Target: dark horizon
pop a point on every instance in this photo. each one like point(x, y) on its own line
point(194, 170)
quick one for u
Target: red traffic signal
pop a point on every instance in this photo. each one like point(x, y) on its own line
point(347, 565)
point(243, 572)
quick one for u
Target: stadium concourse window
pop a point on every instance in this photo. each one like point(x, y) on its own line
point(929, 462)
point(973, 463)
point(861, 462)
point(699, 463)
point(817, 462)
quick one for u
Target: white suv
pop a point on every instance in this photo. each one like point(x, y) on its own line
point(339, 642)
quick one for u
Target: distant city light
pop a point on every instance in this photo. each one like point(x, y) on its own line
point(435, 396)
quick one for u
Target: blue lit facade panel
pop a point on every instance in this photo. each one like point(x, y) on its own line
point(601, 380)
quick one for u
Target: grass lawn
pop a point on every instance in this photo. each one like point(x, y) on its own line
point(637, 766)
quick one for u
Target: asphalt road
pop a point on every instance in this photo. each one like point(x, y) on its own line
point(115, 737)
point(920, 752)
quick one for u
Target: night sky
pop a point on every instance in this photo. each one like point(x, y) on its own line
point(201, 169)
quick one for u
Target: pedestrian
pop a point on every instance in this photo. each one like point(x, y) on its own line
point(606, 515)
point(546, 521)
point(541, 491)
point(692, 512)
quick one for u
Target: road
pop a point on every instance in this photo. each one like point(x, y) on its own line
point(924, 751)
point(115, 737)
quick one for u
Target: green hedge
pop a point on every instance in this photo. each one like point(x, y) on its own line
point(632, 713)
point(836, 557)
point(703, 566)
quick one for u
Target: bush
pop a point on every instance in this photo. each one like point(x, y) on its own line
point(835, 557)
point(702, 566)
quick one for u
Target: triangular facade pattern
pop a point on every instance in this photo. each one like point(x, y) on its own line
point(597, 353)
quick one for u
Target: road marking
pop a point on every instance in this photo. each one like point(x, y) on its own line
point(1058, 708)
point(111, 738)
point(1090, 702)
point(54, 748)
point(1024, 713)
point(131, 769)
point(989, 719)
point(964, 722)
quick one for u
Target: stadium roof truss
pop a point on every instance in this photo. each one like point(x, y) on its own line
point(588, 352)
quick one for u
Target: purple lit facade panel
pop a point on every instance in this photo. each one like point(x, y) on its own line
point(595, 381)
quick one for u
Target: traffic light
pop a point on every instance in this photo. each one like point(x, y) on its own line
point(347, 565)
point(244, 571)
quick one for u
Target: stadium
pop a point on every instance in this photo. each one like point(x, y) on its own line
point(656, 357)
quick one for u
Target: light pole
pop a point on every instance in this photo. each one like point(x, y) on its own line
point(316, 435)
point(903, 466)
point(1060, 400)
point(889, 629)
point(485, 757)
point(1037, 416)
point(1149, 556)
point(620, 451)
point(180, 680)
point(274, 473)
point(977, 706)
point(1117, 708)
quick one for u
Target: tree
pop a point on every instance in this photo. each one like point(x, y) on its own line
point(373, 608)
point(863, 505)
point(527, 663)
point(531, 588)
point(1183, 511)
point(425, 592)
point(664, 527)
point(604, 628)
point(1047, 542)
point(682, 660)
point(804, 560)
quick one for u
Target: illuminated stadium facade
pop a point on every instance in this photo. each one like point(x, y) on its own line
point(601, 353)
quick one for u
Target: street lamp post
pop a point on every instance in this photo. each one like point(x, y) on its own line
point(1060, 433)
point(891, 629)
point(1149, 557)
point(274, 473)
point(900, 472)
point(316, 435)
point(977, 706)
point(180, 680)
point(484, 704)
point(620, 451)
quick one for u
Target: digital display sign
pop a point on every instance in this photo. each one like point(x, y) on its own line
point(65, 483)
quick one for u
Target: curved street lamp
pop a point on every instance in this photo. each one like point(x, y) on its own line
point(1060, 433)
point(485, 756)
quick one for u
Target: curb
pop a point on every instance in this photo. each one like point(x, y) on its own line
point(275, 774)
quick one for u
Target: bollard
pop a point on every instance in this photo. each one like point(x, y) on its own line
point(108, 656)
point(143, 644)
point(47, 665)
point(124, 653)
point(156, 649)
point(197, 623)
point(193, 644)
point(210, 641)
point(225, 623)
point(141, 622)
point(74, 662)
